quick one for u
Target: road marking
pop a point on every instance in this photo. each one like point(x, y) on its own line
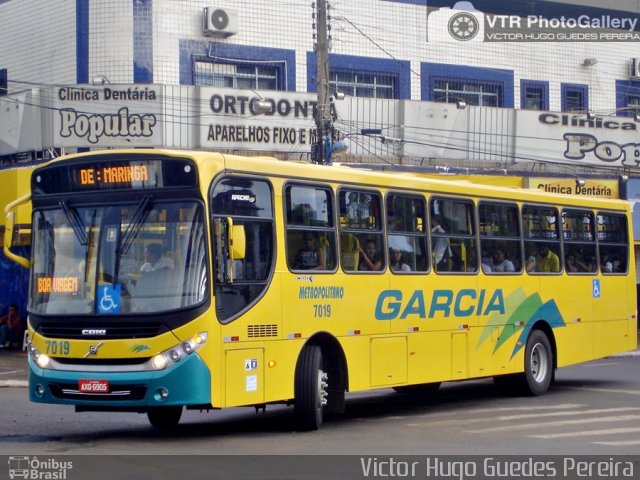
point(621, 443)
point(561, 414)
point(633, 353)
point(14, 383)
point(10, 372)
point(583, 421)
point(502, 409)
point(605, 390)
point(588, 433)
point(537, 414)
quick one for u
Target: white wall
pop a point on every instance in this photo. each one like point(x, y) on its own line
point(38, 40)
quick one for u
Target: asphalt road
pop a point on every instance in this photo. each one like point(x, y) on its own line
point(592, 409)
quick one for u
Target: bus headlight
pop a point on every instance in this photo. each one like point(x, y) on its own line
point(41, 359)
point(174, 354)
point(159, 361)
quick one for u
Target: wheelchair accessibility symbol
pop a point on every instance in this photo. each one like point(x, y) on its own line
point(109, 299)
point(596, 288)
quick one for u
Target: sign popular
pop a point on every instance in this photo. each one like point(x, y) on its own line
point(107, 116)
point(577, 139)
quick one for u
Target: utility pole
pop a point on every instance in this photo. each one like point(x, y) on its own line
point(323, 111)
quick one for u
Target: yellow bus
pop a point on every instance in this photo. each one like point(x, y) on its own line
point(163, 280)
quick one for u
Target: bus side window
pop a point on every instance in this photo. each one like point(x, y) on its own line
point(406, 218)
point(453, 237)
point(579, 241)
point(500, 238)
point(247, 203)
point(541, 239)
point(613, 246)
point(310, 231)
point(361, 231)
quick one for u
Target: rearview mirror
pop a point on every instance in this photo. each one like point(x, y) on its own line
point(10, 230)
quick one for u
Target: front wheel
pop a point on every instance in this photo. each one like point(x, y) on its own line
point(164, 417)
point(311, 384)
point(538, 364)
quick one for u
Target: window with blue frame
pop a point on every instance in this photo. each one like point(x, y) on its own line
point(574, 97)
point(633, 106)
point(534, 95)
point(362, 84)
point(215, 64)
point(237, 75)
point(627, 98)
point(363, 76)
point(481, 93)
point(488, 87)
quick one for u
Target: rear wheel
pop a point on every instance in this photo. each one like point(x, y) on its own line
point(311, 384)
point(538, 369)
point(538, 364)
point(164, 417)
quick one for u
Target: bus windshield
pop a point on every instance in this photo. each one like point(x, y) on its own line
point(124, 259)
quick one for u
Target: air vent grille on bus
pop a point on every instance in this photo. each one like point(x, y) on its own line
point(102, 332)
point(255, 331)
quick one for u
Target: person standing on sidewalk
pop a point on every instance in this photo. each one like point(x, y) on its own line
point(10, 328)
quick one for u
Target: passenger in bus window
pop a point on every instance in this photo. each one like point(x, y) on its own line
point(397, 264)
point(310, 256)
point(370, 259)
point(617, 266)
point(548, 261)
point(570, 263)
point(574, 264)
point(607, 265)
point(153, 259)
point(499, 263)
point(441, 249)
point(590, 264)
point(530, 264)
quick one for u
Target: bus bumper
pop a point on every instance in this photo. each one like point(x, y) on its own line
point(187, 382)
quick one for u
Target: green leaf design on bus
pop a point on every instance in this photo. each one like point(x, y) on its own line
point(549, 312)
point(497, 320)
point(521, 313)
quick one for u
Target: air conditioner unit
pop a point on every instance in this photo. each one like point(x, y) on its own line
point(634, 71)
point(221, 22)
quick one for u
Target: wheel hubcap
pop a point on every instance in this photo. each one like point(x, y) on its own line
point(322, 388)
point(539, 363)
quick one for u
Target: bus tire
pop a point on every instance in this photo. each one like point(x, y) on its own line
point(538, 364)
point(164, 417)
point(310, 389)
point(422, 389)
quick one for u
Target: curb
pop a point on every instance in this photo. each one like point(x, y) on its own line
point(14, 383)
point(633, 353)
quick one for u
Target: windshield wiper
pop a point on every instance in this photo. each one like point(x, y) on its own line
point(135, 225)
point(76, 223)
point(88, 250)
